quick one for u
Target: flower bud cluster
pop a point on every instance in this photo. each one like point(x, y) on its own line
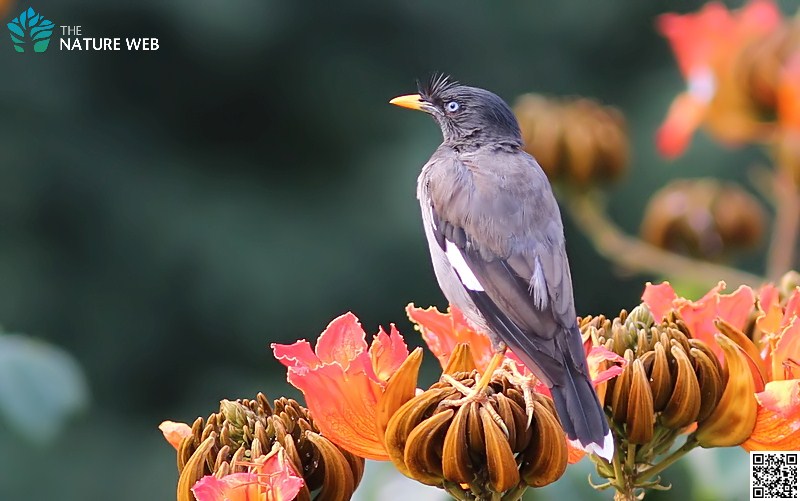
point(496, 445)
point(703, 218)
point(243, 430)
point(672, 381)
point(578, 140)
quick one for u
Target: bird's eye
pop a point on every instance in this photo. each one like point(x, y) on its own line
point(452, 107)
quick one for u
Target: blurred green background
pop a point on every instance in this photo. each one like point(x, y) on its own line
point(165, 215)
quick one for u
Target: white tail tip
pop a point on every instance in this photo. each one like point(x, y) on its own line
point(606, 451)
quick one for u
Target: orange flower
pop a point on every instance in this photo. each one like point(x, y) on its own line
point(271, 478)
point(706, 45)
point(343, 380)
point(773, 353)
point(443, 331)
point(699, 316)
point(778, 418)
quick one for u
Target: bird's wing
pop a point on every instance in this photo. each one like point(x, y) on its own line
point(497, 221)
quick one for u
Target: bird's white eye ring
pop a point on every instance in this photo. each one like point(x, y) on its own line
point(452, 107)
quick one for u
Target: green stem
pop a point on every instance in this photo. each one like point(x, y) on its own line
point(645, 452)
point(620, 479)
point(516, 493)
point(630, 458)
point(649, 473)
point(457, 492)
point(666, 442)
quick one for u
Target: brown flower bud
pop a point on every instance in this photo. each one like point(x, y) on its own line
point(733, 419)
point(669, 380)
point(703, 218)
point(243, 430)
point(576, 140)
point(485, 447)
point(640, 414)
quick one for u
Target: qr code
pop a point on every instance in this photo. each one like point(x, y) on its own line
point(773, 475)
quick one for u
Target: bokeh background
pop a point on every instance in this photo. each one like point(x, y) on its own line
point(166, 215)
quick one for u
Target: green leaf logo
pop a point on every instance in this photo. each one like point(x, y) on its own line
point(30, 28)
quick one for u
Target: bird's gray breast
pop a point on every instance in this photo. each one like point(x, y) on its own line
point(449, 281)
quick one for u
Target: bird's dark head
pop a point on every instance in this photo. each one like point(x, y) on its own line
point(467, 115)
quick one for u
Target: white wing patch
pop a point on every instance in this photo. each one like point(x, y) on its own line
point(466, 276)
point(538, 286)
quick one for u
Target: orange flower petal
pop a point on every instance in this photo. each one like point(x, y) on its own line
point(696, 38)
point(659, 299)
point(685, 115)
point(343, 382)
point(793, 304)
point(271, 478)
point(342, 341)
point(768, 296)
point(706, 44)
point(734, 308)
point(778, 421)
point(234, 487)
point(770, 316)
point(786, 356)
point(574, 453)
point(343, 405)
point(788, 94)
point(602, 364)
point(278, 476)
point(388, 351)
point(298, 354)
point(757, 17)
point(443, 331)
point(175, 432)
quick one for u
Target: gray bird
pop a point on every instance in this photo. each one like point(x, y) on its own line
point(497, 245)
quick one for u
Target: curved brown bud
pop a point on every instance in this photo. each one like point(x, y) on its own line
point(500, 462)
point(456, 463)
point(734, 418)
point(660, 378)
point(400, 389)
point(461, 360)
point(753, 358)
point(194, 469)
point(477, 444)
point(546, 456)
point(338, 482)
point(710, 380)
point(640, 416)
point(622, 389)
point(684, 403)
point(421, 455)
point(403, 422)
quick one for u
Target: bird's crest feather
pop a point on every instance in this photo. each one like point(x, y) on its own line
point(436, 84)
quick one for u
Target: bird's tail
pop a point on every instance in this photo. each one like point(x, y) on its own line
point(578, 408)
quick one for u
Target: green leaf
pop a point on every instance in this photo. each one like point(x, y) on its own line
point(41, 385)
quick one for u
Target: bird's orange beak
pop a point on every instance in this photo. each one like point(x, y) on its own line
point(411, 101)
